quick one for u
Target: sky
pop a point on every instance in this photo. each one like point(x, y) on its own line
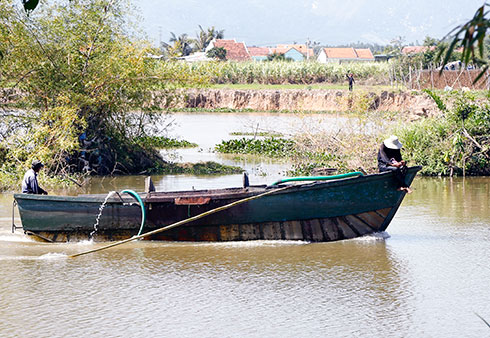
point(329, 22)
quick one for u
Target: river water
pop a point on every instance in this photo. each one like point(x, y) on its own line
point(427, 276)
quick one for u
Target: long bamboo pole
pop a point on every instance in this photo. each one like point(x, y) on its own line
point(179, 223)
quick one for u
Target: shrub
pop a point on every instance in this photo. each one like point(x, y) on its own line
point(457, 142)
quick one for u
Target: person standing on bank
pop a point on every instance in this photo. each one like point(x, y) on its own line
point(350, 77)
point(30, 184)
point(390, 159)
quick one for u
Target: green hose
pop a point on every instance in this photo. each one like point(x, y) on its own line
point(318, 178)
point(142, 205)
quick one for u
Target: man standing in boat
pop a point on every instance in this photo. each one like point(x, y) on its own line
point(390, 159)
point(30, 184)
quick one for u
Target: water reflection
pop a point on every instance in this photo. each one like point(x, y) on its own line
point(428, 279)
point(456, 198)
point(283, 288)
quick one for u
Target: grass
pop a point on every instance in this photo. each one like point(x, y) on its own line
point(282, 72)
point(284, 111)
point(163, 142)
point(260, 133)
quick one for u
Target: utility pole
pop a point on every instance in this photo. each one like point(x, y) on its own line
point(307, 49)
point(159, 36)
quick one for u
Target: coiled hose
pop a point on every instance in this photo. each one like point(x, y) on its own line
point(142, 205)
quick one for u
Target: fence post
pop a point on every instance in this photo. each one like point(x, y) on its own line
point(410, 76)
point(488, 83)
point(418, 75)
point(431, 78)
point(470, 79)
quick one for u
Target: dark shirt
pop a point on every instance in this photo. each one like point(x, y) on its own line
point(387, 156)
point(30, 185)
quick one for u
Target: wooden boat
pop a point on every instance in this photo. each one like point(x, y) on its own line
point(318, 211)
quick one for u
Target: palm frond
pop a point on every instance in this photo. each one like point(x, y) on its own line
point(468, 36)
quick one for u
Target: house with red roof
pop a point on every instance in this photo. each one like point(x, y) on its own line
point(303, 49)
point(345, 55)
point(297, 52)
point(259, 53)
point(364, 54)
point(235, 51)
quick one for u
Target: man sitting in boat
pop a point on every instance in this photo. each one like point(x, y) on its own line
point(30, 184)
point(390, 159)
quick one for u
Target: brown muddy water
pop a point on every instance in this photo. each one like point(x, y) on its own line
point(427, 276)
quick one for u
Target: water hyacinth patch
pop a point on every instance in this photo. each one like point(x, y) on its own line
point(271, 146)
point(162, 142)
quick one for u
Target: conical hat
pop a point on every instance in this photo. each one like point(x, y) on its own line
point(392, 142)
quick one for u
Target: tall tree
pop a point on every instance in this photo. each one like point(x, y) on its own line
point(204, 37)
point(217, 53)
point(84, 86)
point(396, 45)
point(429, 41)
point(179, 45)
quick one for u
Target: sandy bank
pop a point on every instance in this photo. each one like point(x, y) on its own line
point(414, 104)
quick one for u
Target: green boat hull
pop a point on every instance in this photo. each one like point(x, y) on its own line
point(318, 211)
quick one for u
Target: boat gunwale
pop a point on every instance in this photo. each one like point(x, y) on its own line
point(214, 194)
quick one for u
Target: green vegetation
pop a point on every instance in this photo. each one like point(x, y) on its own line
point(457, 142)
point(468, 36)
point(349, 149)
point(79, 93)
point(162, 142)
point(85, 90)
point(180, 45)
point(403, 64)
point(282, 72)
point(263, 134)
point(285, 86)
point(242, 110)
point(358, 102)
point(205, 36)
point(201, 168)
point(211, 110)
point(437, 99)
point(278, 57)
point(273, 147)
point(217, 53)
point(345, 151)
point(184, 45)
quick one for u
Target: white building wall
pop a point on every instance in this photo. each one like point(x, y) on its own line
point(322, 57)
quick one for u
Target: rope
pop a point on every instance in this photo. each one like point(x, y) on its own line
point(174, 225)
